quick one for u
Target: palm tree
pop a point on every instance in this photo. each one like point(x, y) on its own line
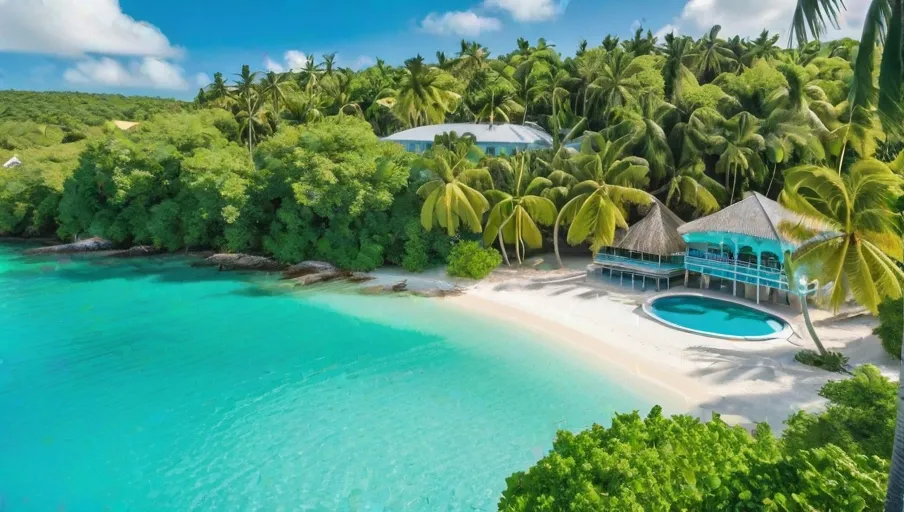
point(610, 43)
point(424, 95)
point(712, 56)
point(219, 90)
point(797, 96)
point(739, 145)
point(582, 48)
point(309, 76)
point(678, 51)
point(250, 100)
point(449, 197)
point(640, 45)
point(617, 84)
point(305, 107)
point(275, 87)
point(607, 181)
point(649, 117)
point(763, 47)
point(472, 59)
point(329, 62)
point(514, 217)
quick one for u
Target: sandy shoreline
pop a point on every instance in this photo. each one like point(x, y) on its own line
point(746, 382)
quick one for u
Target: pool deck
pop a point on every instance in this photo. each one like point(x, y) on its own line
point(605, 325)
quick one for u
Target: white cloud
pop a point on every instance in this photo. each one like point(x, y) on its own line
point(460, 23)
point(271, 65)
point(748, 19)
point(202, 80)
point(149, 72)
point(295, 60)
point(362, 62)
point(77, 27)
point(667, 29)
point(529, 10)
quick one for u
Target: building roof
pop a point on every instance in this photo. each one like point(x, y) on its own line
point(125, 125)
point(657, 233)
point(12, 162)
point(756, 216)
point(483, 132)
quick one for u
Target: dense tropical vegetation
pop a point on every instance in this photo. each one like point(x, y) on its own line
point(835, 460)
point(291, 165)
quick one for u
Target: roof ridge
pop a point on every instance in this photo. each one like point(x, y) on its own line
point(759, 202)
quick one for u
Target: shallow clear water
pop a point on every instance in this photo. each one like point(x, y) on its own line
point(147, 385)
point(715, 316)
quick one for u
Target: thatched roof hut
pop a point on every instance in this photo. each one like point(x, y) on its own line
point(756, 216)
point(656, 234)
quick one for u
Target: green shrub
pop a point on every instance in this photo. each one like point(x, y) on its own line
point(891, 326)
point(469, 259)
point(681, 463)
point(415, 258)
point(860, 417)
point(832, 362)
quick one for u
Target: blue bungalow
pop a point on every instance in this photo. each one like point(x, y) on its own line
point(742, 244)
point(493, 139)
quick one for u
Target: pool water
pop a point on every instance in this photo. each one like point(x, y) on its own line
point(716, 317)
point(148, 385)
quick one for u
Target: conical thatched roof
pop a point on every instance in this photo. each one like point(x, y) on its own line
point(657, 233)
point(756, 216)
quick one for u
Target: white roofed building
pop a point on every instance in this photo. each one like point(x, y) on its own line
point(12, 162)
point(493, 139)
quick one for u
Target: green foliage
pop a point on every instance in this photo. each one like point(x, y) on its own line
point(74, 109)
point(832, 361)
point(470, 259)
point(891, 326)
point(681, 463)
point(859, 419)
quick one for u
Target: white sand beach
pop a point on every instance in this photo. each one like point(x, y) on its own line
point(744, 381)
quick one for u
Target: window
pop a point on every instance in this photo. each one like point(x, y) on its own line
point(491, 150)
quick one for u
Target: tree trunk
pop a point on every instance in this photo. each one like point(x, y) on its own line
point(774, 169)
point(555, 240)
point(812, 330)
point(502, 248)
point(894, 499)
point(517, 238)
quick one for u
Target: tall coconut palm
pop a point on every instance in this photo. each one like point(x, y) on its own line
point(309, 75)
point(610, 43)
point(763, 47)
point(640, 44)
point(450, 197)
point(712, 56)
point(250, 100)
point(514, 217)
point(275, 85)
point(679, 54)
point(472, 59)
point(608, 181)
point(424, 96)
point(219, 91)
point(617, 84)
point(740, 147)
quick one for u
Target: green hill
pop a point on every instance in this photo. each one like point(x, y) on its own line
point(76, 108)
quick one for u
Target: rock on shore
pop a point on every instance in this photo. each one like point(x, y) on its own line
point(307, 268)
point(243, 262)
point(86, 245)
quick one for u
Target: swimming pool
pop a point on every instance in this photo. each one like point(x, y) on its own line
point(715, 317)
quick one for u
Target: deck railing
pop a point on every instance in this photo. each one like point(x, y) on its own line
point(740, 271)
point(667, 262)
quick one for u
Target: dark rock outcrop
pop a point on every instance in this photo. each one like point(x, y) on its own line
point(320, 277)
point(360, 277)
point(438, 293)
point(136, 252)
point(308, 267)
point(86, 245)
point(243, 262)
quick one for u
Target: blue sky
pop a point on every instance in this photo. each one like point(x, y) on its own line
point(169, 47)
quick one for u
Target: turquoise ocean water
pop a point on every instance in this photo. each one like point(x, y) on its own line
point(149, 385)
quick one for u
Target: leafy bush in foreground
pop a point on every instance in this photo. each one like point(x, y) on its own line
point(681, 463)
point(469, 259)
point(891, 326)
point(860, 417)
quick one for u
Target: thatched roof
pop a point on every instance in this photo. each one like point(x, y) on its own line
point(756, 216)
point(657, 233)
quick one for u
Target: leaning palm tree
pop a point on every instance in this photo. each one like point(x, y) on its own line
point(450, 199)
point(515, 216)
point(607, 181)
point(858, 257)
